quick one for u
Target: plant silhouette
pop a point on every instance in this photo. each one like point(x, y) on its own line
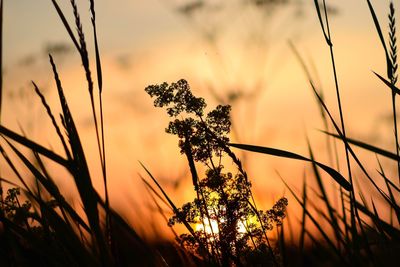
point(231, 230)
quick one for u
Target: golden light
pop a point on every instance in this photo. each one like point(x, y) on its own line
point(208, 226)
point(211, 226)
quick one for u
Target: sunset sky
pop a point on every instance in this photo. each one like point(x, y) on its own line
point(228, 50)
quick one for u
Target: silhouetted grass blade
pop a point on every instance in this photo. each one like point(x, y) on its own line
point(391, 230)
point(7, 181)
point(35, 147)
point(381, 38)
point(317, 7)
point(315, 222)
point(175, 209)
point(366, 146)
point(69, 239)
point(81, 172)
point(53, 120)
point(51, 188)
point(333, 222)
point(304, 217)
point(40, 249)
point(12, 166)
point(390, 186)
point(65, 23)
point(286, 154)
point(395, 89)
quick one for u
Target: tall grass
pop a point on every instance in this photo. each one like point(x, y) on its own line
point(48, 230)
point(360, 235)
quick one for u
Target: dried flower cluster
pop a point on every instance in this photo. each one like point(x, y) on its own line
point(14, 210)
point(230, 229)
point(201, 134)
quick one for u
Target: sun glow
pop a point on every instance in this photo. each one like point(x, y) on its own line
point(210, 226)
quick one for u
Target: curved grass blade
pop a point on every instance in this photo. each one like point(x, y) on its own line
point(366, 146)
point(171, 204)
point(327, 38)
point(333, 220)
point(389, 229)
point(102, 151)
point(7, 181)
point(96, 47)
point(13, 168)
point(389, 186)
point(314, 221)
point(51, 188)
point(304, 217)
point(394, 88)
point(66, 25)
point(175, 209)
point(14, 235)
point(35, 147)
point(381, 38)
point(53, 120)
point(81, 172)
point(286, 154)
point(149, 187)
point(68, 237)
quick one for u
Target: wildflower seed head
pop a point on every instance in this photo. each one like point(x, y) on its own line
point(177, 97)
point(199, 136)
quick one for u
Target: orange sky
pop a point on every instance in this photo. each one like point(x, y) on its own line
point(147, 42)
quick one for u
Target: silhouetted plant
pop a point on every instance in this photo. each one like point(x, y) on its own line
point(14, 210)
point(229, 226)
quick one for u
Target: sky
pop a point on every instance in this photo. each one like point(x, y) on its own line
point(234, 53)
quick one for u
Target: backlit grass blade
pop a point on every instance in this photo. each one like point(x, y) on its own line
point(42, 169)
point(286, 154)
point(175, 209)
point(14, 235)
point(318, 9)
point(155, 192)
point(69, 238)
point(7, 181)
point(96, 47)
point(353, 154)
point(391, 230)
point(381, 38)
point(53, 120)
point(159, 209)
point(13, 167)
point(65, 23)
point(304, 217)
point(377, 224)
point(390, 186)
point(383, 194)
point(101, 142)
point(394, 88)
point(51, 188)
point(34, 146)
point(366, 146)
point(315, 222)
point(81, 172)
point(333, 221)
point(137, 249)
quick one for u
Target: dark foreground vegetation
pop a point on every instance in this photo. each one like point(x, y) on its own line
point(40, 227)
